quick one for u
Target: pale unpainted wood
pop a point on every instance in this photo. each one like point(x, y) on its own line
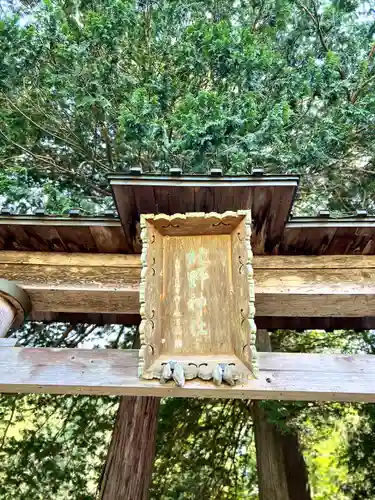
point(84, 299)
point(124, 299)
point(196, 223)
point(61, 259)
point(197, 298)
point(8, 342)
point(343, 286)
point(75, 276)
point(128, 468)
point(315, 304)
point(306, 281)
point(78, 371)
point(151, 294)
point(305, 262)
point(342, 302)
point(315, 363)
point(243, 297)
point(7, 315)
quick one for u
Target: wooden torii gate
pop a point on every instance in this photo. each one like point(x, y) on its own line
point(308, 272)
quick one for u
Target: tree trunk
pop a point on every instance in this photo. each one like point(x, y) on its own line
point(270, 460)
point(272, 480)
point(282, 473)
point(128, 470)
point(296, 470)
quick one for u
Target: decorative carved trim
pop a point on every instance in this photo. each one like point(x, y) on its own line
point(144, 325)
point(251, 285)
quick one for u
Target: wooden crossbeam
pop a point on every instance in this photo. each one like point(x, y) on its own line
point(285, 286)
point(289, 376)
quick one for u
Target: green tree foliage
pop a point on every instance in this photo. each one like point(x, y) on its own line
point(93, 86)
point(89, 87)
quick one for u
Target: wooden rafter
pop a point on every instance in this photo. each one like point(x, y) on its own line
point(288, 376)
point(269, 198)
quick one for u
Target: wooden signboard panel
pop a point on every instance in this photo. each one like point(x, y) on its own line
point(197, 297)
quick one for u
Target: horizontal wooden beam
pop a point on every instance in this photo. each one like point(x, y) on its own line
point(285, 286)
point(321, 377)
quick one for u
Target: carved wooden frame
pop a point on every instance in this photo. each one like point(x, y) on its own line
point(229, 256)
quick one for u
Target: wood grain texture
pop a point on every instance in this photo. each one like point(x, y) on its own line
point(314, 262)
point(150, 295)
point(270, 199)
point(279, 456)
point(63, 234)
point(320, 236)
point(127, 209)
point(321, 377)
point(128, 469)
point(271, 234)
point(195, 223)
point(243, 305)
point(285, 286)
point(272, 480)
point(77, 283)
point(197, 291)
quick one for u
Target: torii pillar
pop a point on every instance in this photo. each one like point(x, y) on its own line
point(14, 306)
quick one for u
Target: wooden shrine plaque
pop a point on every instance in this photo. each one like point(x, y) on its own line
point(197, 295)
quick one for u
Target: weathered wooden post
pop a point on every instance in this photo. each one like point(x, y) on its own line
point(282, 472)
point(14, 306)
point(128, 470)
point(272, 480)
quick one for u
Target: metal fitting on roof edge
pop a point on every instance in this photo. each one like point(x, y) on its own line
point(19, 299)
point(216, 172)
point(109, 213)
point(361, 213)
point(258, 171)
point(175, 172)
point(135, 171)
point(74, 212)
point(324, 213)
point(40, 212)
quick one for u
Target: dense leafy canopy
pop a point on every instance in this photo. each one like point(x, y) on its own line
point(88, 87)
point(93, 86)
